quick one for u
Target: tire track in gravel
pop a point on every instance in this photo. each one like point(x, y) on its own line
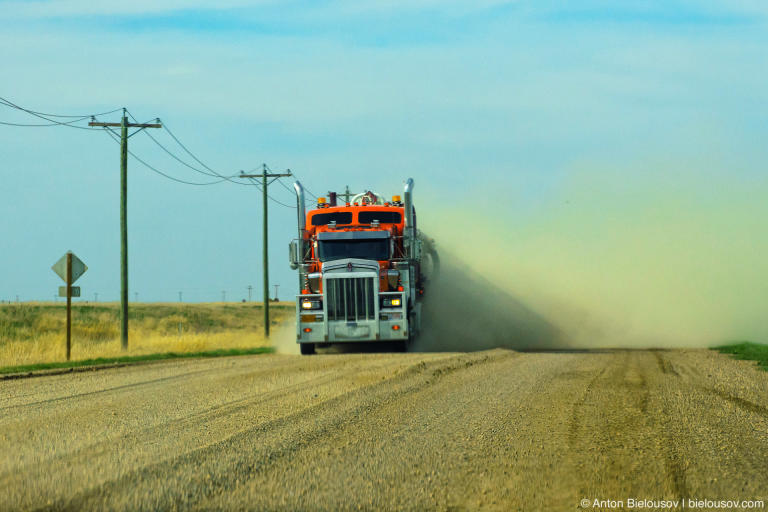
point(210, 469)
point(494, 430)
point(664, 365)
point(161, 380)
point(192, 421)
point(223, 420)
point(575, 421)
point(672, 461)
point(133, 408)
point(738, 401)
point(151, 382)
point(617, 427)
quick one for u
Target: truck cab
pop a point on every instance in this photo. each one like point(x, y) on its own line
point(359, 271)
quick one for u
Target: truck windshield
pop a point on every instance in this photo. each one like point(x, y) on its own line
point(371, 249)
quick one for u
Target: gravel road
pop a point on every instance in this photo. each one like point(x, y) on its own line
point(492, 430)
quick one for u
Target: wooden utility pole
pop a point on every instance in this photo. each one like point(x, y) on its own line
point(264, 175)
point(124, 125)
point(347, 194)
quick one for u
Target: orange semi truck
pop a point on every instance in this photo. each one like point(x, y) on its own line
point(363, 266)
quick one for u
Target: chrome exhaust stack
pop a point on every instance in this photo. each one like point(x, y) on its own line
point(410, 223)
point(302, 218)
point(301, 213)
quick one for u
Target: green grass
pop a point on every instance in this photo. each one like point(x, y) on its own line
point(133, 359)
point(748, 351)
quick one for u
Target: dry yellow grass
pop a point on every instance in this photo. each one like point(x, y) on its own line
point(35, 332)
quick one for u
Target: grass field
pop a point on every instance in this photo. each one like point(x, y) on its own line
point(747, 350)
point(34, 333)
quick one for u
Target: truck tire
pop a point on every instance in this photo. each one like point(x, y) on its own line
point(307, 349)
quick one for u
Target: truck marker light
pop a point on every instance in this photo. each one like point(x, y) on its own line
point(400, 288)
point(388, 303)
point(307, 329)
point(395, 327)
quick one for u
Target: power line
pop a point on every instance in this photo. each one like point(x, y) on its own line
point(187, 151)
point(52, 122)
point(37, 125)
point(116, 138)
point(173, 155)
point(308, 202)
point(293, 174)
point(158, 171)
point(253, 182)
point(13, 105)
point(284, 185)
point(212, 171)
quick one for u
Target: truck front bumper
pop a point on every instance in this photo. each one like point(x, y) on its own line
point(313, 326)
point(352, 332)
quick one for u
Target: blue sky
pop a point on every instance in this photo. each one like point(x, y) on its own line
point(494, 105)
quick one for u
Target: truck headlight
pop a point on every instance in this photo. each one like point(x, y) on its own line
point(391, 303)
point(311, 304)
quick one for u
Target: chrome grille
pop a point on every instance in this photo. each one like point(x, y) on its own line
point(350, 298)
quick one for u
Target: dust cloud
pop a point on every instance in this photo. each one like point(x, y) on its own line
point(666, 259)
point(464, 311)
point(283, 338)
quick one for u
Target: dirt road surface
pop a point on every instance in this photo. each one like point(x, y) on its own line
point(492, 430)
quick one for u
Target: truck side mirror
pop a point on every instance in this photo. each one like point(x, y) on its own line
point(293, 254)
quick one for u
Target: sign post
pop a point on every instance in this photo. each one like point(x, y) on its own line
point(69, 268)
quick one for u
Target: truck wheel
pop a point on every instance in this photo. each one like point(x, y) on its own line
point(307, 349)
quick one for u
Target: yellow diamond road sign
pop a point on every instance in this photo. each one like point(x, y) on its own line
point(78, 267)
